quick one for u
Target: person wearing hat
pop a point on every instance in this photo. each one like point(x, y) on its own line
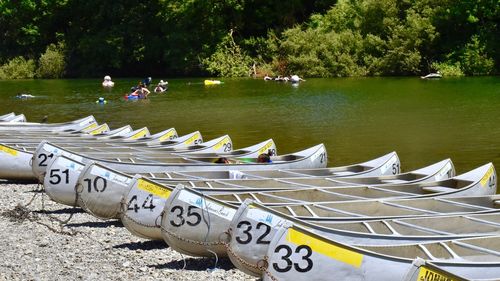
point(161, 87)
point(107, 82)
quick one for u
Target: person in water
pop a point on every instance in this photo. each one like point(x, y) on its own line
point(161, 87)
point(296, 79)
point(141, 92)
point(147, 81)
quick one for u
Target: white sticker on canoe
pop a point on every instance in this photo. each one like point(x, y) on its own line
point(66, 163)
point(443, 172)
point(56, 151)
point(114, 177)
point(389, 163)
point(263, 216)
point(202, 203)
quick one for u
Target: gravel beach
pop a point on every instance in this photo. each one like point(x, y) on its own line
point(35, 247)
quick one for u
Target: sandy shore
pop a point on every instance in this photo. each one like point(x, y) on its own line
point(34, 246)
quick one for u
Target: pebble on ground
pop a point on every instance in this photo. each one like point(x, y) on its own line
point(34, 246)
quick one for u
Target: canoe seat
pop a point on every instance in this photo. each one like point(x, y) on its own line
point(496, 202)
point(343, 173)
point(437, 189)
point(396, 181)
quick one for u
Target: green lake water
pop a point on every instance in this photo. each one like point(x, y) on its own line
point(356, 118)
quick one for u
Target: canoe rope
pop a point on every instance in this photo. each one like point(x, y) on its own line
point(138, 222)
point(23, 212)
point(199, 243)
point(263, 267)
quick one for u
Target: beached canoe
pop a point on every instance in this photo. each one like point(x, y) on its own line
point(13, 118)
point(6, 116)
point(254, 225)
point(99, 136)
point(124, 146)
point(171, 158)
point(388, 164)
point(64, 191)
point(295, 253)
point(16, 163)
point(76, 125)
point(186, 198)
point(438, 171)
point(314, 157)
point(106, 202)
point(16, 160)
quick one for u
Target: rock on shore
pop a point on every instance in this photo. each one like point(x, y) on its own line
point(34, 246)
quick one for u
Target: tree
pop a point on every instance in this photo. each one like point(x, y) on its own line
point(52, 63)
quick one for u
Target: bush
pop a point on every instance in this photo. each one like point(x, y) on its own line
point(228, 60)
point(448, 68)
point(52, 63)
point(18, 68)
point(474, 59)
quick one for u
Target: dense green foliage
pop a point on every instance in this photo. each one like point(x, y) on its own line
point(234, 37)
point(52, 63)
point(392, 37)
point(18, 68)
point(228, 60)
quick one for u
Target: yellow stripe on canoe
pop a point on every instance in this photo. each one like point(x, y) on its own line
point(140, 134)
point(221, 143)
point(91, 126)
point(266, 147)
point(167, 135)
point(324, 248)
point(8, 150)
point(99, 130)
point(487, 176)
point(428, 274)
point(192, 139)
point(152, 188)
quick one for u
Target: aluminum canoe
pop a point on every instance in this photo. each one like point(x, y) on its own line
point(438, 171)
point(165, 159)
point(13, 118)
point(296, 253)
point(5, 117)
point(16, 161)
point(388, 164)
point(75, 125)
point(314, 157)
point(99, 136)
point(185, 198)
point(135, 219)
point(254, 225)
point(106, 202)
point(63, 191)
point(479, 181)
